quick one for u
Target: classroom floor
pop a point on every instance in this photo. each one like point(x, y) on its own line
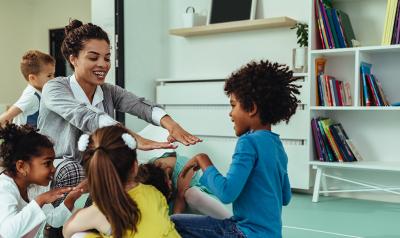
point(335, 217)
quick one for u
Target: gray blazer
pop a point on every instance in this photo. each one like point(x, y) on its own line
point(63, 119)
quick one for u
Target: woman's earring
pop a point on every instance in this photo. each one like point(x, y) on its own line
point(24, 174)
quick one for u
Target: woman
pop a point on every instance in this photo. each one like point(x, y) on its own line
point(83, 103)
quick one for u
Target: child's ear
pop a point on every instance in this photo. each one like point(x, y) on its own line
point(254, 110)
point(32, 78)
point(22, 167)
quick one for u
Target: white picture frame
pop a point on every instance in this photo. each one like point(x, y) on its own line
point(212, 12)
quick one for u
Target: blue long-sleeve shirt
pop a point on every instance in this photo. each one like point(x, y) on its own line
point(257, 184)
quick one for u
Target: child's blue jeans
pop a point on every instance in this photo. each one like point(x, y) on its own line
point(190, 225)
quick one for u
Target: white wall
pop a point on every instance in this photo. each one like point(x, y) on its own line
point(103, 16)
point(146, 49)
point(219, 55)
point(151, 53)
point(25, 25)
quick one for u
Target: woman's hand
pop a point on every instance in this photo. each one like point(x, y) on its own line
point(51, 196)
point(177, 133)
point(146, 144)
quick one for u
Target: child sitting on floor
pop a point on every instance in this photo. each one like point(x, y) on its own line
point(164, 174)
point(257, 183)
point(27, 158)
point(122, 207)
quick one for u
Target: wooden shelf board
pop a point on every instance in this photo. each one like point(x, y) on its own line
point(234, 26)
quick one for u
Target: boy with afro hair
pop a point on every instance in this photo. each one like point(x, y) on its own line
point(261, 94)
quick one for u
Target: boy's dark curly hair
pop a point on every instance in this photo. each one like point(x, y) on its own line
point(20, 143)
point(152, 174)
point(267, 85)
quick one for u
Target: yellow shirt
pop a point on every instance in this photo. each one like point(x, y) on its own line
point(154, 221)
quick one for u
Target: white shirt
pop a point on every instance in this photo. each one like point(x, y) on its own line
point(19, 218)
point(28, 103)
point(97, 104)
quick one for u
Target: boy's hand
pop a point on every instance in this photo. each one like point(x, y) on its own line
point(191, 164)
point(199, 161)
point(51, 196)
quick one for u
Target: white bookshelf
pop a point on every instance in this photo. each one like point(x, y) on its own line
point(375, 131)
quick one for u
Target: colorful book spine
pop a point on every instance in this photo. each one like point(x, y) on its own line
point(340, 138)
point(377, 91)
point(318, 20)
point(339, 92)
point(365, 69)
point(331, 156)
point(325, 124)
point(338, 28)
point(332, 27)
point(326, 25)
point(317, 140)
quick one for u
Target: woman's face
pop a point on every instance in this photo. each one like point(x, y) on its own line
point(93, 62)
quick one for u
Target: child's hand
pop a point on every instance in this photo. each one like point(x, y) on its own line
point(191, 164)
point(199, 161)
point(51, 196)
point(75, 193)
point(184, 181)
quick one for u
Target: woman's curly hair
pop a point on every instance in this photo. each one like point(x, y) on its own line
point(76, 34)
point(267, 85)
point(20, 143)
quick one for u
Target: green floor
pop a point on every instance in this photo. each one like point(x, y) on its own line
point(340, 217)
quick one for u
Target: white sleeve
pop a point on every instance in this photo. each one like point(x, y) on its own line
point(28, 103)
point(56, 217)
point(14, 223)
point(156, 115)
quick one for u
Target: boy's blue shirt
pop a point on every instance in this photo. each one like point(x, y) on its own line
point(257, 184)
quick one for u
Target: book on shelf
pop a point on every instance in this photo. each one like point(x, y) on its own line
point(391, 22)
point(330, 140)
point(329, 90)
point(354, 150)
point(332, 92)
point(371, 92)
point(319, 69)
point(334, 26)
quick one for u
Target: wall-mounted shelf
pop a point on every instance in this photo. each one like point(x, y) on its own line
point(235, 26)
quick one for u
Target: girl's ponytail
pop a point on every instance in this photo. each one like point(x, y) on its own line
point(108, 169)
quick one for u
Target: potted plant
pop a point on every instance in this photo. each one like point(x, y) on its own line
point(300, 53)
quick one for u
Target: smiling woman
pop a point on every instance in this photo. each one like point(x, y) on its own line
point(83, 102)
